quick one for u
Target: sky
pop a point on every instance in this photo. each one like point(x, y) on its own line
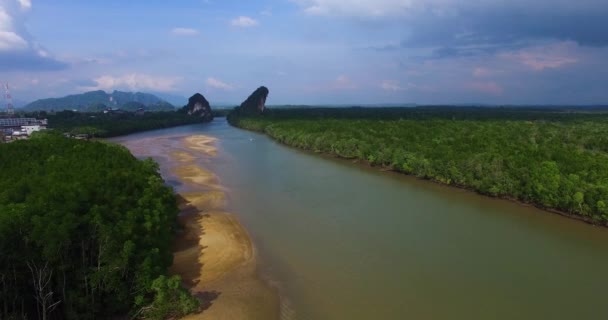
point(311, 51)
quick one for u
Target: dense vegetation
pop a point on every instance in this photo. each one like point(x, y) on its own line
point(85, 232)
point(110, 125)
point(96, 101)
point(556, 159)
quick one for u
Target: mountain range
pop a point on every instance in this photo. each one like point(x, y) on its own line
point(96, 101)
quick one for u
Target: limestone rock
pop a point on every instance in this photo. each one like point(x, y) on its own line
point(256, 102)
point(198, 106)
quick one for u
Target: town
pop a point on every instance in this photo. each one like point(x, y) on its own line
point(12, 129)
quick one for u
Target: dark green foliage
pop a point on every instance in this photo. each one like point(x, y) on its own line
point(170, 300)
point(96, 101)
point(85, 231)
point(110, 125)
point(550, 158)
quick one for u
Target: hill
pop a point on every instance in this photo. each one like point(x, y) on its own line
point(95, 101)
point(198, 106)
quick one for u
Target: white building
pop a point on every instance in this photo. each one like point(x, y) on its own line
point(31, 129)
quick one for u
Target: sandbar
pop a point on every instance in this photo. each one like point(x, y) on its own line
point(213, 253)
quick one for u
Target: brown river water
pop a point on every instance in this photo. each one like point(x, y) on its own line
point(341, 241)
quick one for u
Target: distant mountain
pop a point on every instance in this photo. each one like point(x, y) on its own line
point(95, 101)
point(19, 103)
point(173, 99)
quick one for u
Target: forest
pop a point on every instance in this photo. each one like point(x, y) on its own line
point(555, 159)
point(86, 231)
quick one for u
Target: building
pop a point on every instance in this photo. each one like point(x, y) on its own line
point(31, 129)
point(26, 125)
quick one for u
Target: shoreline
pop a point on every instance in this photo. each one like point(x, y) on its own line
point(212, 251)
point(391, 170)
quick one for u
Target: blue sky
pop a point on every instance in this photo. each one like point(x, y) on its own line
point(311, 51)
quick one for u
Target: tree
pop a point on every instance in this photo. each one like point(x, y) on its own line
point(85, 228)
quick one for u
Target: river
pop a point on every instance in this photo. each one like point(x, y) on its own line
point(342, 241)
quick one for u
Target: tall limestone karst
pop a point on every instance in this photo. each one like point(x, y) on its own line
point(256, 102)
point(198, 106)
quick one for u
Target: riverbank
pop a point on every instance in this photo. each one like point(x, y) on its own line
point(298, 137)
point(101, 125)
point(213, 253)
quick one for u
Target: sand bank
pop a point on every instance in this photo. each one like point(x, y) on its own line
point(194, 174)
point(182, 156)
point(213, 253)
point(216, 260)
point(201, 143)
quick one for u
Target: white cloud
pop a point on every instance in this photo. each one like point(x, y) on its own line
point(266, 12)
point(438, 8)
point(343, 82)
point(396, 86)
point(6, 22)
point(25, 4)
point(184, 32)
point(218, 84)
point(11, 41)
point(539, 58)
point(362, 8)
point(391, 85)
point(18, 50)
point(244, 22)
point(480, 72)
point(488, 87)
point(134, 81)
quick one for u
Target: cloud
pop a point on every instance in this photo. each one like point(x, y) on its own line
point(391, 85)
point(465, 28)
point(11, 41)
point(18, 50)
point(25, 4)
point(244, 22)
point(485, 87)
point(480, 72)
point(540, 58)
point(359, 8)
point(396, 86)
point(27, 60)
point(343, 82)
point(184, 32)
point(133, 82)
point(218, 84)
